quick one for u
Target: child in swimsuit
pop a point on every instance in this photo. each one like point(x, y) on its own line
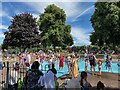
point(106, 65)
point(99, 66)
point(86, 65)
point(110, 64)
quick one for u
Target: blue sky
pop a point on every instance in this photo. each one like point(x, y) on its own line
point(78, 16)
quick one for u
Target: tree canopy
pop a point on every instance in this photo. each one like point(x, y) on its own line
point(23, 32)
point(106, 24)
point(54, 31)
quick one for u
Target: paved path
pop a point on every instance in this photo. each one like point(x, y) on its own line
point(109, 79)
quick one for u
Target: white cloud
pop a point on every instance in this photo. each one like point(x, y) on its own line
point(73, 10)
point(1, 14)
point(84, 12)
point(3, 27)
point(70, 8)
point(4, 14)
point(80, 36)
point(0, 9)
point(52, 0)
point(2, 35)
point(35, 15)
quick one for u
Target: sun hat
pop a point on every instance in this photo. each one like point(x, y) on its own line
point(68, 57)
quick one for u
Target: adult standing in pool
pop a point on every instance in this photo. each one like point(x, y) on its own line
point(92, 60)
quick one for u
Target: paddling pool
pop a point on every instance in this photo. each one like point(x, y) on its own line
point(81, 65)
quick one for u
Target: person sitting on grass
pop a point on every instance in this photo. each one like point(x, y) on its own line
point(83, 81)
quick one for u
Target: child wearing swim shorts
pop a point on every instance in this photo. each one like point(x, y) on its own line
point(99, 66)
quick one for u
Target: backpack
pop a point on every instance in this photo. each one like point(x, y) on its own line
point(19, 83)
point(31, 81)
point(56, 85)
point(91, 58)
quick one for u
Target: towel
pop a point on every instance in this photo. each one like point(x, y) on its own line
point(47, 80)
point(75, 72)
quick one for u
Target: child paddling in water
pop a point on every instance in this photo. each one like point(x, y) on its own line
point(86, 64)
point(99, 66)
point(110, 64)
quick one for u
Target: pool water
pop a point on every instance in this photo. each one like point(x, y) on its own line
point(81, 65)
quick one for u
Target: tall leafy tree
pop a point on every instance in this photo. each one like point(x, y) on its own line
point(53, 29)
point(106, 24)
point(23, 32)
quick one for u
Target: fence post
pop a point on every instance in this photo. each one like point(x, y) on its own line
point(7, 75)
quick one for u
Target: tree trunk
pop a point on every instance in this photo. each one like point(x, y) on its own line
point(24, 49)
point(53, 47)
point(113, 46)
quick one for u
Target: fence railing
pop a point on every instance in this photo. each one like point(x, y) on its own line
point(8, 72)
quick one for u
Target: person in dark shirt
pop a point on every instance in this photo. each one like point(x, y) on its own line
point(32, 77)
point(92, 60)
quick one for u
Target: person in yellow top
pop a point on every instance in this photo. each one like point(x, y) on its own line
point(75, 71)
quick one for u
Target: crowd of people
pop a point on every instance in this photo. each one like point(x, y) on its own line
point(91, 58)
point(36, 80)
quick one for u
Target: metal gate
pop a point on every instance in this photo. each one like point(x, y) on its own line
point(6, 73)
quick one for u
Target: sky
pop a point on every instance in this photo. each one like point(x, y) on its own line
point(78, 16)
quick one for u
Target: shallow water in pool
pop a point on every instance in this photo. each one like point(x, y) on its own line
point(81, 64)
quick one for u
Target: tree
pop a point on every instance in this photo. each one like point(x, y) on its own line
point(106, 24)
point(4, 46)
point(23, 32)
point(52, 26)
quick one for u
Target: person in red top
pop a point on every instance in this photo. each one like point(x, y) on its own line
point(26, 61)
point(43, 57)
point(61, 58)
